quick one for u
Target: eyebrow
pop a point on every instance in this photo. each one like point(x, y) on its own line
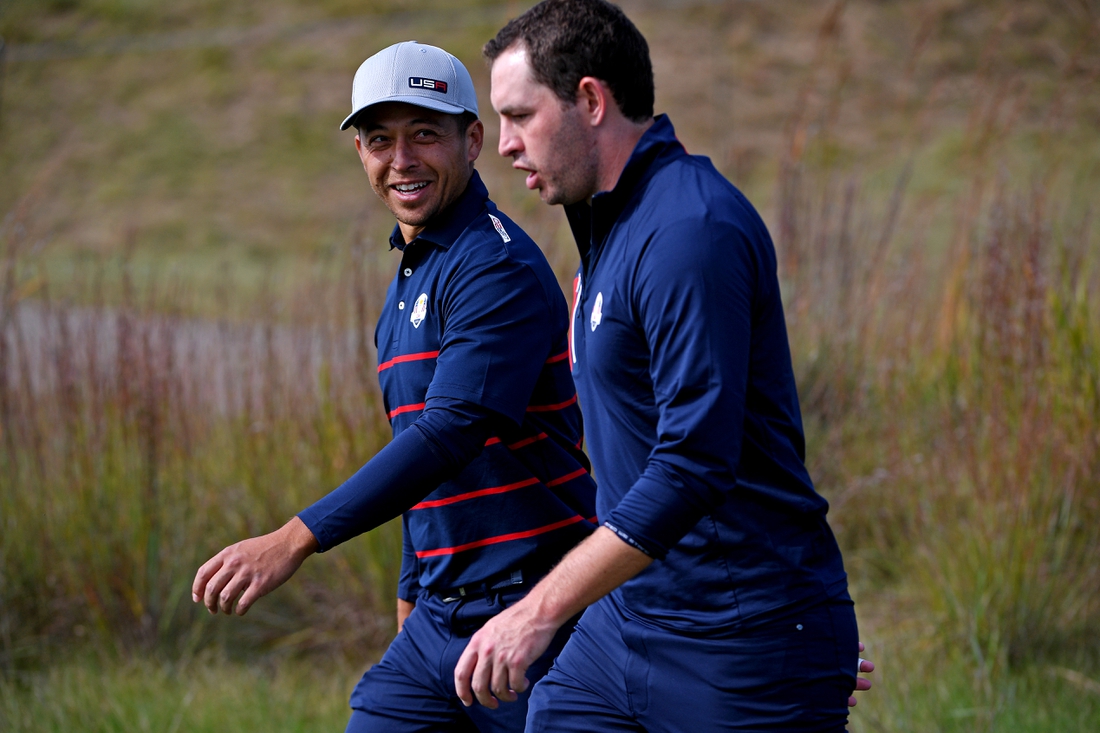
point(512, 109)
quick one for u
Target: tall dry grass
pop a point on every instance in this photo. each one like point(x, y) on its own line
point(135, 442)
point(947, 346)
point(953, 394)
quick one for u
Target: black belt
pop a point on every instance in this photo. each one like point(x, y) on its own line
point(478, 590)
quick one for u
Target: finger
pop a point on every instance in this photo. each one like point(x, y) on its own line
point(210, 596)
point(502, 689)
point(866, 665)
point(251, 594)
point(231, 592)
point(517, 679)
point(852, 702)
point(463, 671)
point(481, 680)
point(861, 647)
point(863, 684)
point(203, 575)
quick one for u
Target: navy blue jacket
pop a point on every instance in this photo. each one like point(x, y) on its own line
point(486, 461)
point(680, 356)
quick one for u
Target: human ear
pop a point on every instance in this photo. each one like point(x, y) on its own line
point(362, 152)
point(593, 98)
point(475, 138)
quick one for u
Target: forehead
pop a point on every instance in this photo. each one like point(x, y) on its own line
point(401, 114)
point(513, 83)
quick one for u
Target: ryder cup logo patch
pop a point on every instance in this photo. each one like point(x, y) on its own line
point(420, 310)
point(419, 82)
point(597, 311)
point(500, 229)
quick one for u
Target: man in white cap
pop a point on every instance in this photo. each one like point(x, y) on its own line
point(485, 465)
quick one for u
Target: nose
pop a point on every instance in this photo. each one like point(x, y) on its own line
point(404, 157)
point(510, 143)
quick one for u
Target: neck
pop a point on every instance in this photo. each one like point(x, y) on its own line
point(615, 143)
point(408, 231)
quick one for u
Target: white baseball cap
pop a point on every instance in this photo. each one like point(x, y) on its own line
point(414, 73)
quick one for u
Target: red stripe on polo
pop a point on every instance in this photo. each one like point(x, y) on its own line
point(403, 409)
point(552, 408)
point(475, 494)
point(407, 357)
point(527, 441)
point(567, 477)
point(500, 538)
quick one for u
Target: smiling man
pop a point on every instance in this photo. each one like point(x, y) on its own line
point(719, 598)
point(485, 464)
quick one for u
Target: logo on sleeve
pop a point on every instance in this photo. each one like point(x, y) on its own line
point(419, 82)
point(597, 311)
point(500, 229)
point(420, 310)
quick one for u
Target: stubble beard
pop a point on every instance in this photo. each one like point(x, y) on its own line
point(571, 177)
point(577, 180)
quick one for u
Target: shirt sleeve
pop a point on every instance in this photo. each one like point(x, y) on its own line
point(408, 582)
point(497, 332)
point(443, 440)
point(694, 297)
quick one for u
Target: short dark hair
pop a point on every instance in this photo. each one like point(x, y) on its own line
point(462, 121)
point(567, 40)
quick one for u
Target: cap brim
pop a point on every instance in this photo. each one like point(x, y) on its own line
point(433, 104)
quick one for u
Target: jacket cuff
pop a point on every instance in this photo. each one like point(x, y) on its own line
point(653, 517)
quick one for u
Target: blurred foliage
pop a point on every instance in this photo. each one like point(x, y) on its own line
point(193, 263)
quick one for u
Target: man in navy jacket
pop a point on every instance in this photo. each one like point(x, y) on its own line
point(719, 596)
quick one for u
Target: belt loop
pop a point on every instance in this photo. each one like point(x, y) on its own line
point(517, 577)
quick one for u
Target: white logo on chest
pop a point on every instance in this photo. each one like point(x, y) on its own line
point(597, 311)
point(420, 310)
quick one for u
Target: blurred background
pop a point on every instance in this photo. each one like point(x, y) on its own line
point(191, 264)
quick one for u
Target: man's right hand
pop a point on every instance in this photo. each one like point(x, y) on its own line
point(404, 608)
point(241, 573)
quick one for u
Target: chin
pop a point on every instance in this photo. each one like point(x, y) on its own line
point(416, 218)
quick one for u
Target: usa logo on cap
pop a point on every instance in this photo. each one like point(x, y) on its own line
point(419, 82)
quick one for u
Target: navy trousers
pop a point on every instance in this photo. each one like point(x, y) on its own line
point(620, 674)
point(412, 688)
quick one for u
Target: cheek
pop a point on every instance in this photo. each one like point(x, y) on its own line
point(375, 173)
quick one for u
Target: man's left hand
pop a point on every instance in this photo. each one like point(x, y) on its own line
point(862, 683)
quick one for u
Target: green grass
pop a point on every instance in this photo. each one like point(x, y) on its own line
point(104, 695)
point(928, 693)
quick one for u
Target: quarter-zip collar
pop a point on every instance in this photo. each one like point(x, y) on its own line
point(591, 223)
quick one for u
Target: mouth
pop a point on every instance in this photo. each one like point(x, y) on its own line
point(409, 187)
point(532, 175)
point(409, 192)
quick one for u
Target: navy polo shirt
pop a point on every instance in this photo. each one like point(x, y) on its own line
point(680, 357)
point(475, 316)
